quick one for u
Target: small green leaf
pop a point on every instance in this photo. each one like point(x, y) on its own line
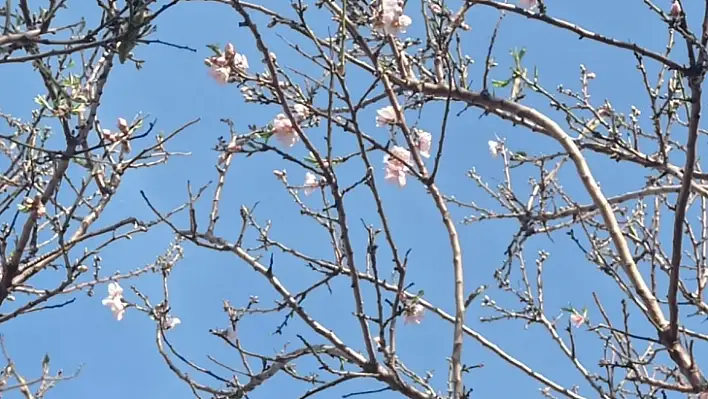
point(80, 161)
point(215, 48)
point(42, 100)
point(137, 125)
point(267, 135)
point(501, 83)
point(45, 365)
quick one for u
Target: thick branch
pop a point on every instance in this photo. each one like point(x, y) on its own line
point(539, 122)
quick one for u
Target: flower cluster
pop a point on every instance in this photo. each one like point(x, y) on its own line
point(386, 116)
point(413, 313)
point(121, 135)
point(114, 300)
point(283, 128)
point(224, 65)
point(396, 163)
point(391, 20)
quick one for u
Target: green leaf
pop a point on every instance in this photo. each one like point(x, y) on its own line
point(267, 135)
point(42, 101)
point(136, 125)
point(215, 48)
point(501, 83)
point(80, 161)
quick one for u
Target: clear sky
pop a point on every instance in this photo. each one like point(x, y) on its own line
point(119, 359)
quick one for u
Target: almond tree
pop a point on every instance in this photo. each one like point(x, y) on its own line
point(389, 86)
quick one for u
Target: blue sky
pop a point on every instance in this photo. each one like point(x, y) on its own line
point(119, 359)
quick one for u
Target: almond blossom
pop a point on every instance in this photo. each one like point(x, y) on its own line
point(386, 116)
point(311, 183)
point(528, 3)
point(123, 126)
point(392, 21)
point(171, 322)
point(223, 65)
point(114, 300)
point(425, 140)
point(675, 11)
point(301, 112)
point(283, 131)
point(121, 136)
point(110, 136)
point(395, 169)
point(220, 74)
point(413, 314)
point(578, 319)
point(495, 148)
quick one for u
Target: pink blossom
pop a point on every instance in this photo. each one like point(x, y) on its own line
point(495, 148)
point(109, 136)
point(578, 319)
point(386, 116)
point(221, 66)
point(301, 111)
point(217, 61)
point(284, 131)
point(311, 183)
point(675, 9)
point(528, 3)
point(392, 21)
point(424, 142)
point(123, 126)
point(395, 169)
point(229, 51)
point(240, 62)
point(413, 314)
point(220, 74)
point(114, 300)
